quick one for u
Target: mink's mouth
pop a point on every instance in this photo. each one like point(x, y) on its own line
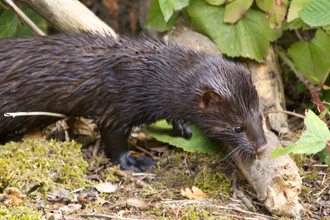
point(262, 148)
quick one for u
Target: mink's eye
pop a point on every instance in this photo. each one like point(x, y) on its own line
point(238, 129)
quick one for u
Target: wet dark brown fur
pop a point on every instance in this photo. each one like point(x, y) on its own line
point(126, 83)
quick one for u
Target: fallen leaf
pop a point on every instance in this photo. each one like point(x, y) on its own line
point(137, 203)
point(14, 200)
point(106, 187)
point(136, 154)
point(81, 199)
point(70, 208)
point(196, 194)
point(82, 126)
point(35, 134)
point(15, 196)
point(102, 201)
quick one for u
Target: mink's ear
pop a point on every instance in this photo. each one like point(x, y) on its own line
point(210, 100)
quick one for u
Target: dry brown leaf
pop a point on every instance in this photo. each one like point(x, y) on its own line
point(196, 194)
point(15, 194)
point(14, 200)
point(240, 174)
point(82, 126)
point(35, 134)
point(105, 187)
point(81, 199)
point(102, 201)
point(70, 208)
point(136, 154)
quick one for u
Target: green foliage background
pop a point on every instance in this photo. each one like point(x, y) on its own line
point(246, 29)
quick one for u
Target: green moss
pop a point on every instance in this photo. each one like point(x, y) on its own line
point(20, 213)
point(47, 163)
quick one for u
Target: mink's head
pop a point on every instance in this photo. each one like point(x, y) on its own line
point(230, 109)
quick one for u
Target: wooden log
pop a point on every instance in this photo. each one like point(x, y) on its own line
point(69, 16)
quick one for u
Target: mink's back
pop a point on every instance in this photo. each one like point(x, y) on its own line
point(121, 82)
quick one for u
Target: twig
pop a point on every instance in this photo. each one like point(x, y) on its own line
point(189, 202)
point(126, 175)
point(141, 149)
point(284, 112)
point(324, 78)
point(15, 114)
point(25, 18)
point(298, 35)
point(104, 216)
point(240, 194)
point(95, 151)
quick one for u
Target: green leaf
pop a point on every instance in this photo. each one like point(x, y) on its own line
point(324, 155)
point(167, 8)
point(279, 151)
point(163, 132)
point(24, 29)
point(248, 37)
point(179, 4)
point(8, 24)
point(307, 56)
point(327, 29)
point(295, 24)
point(295, 7)
point(286, 59)
point(235, 9)
point(261, 4)
point(11, 26)
point(218, 2)
point(316, 13)
point(156, 18)
point(312, 141)
point(276, 11)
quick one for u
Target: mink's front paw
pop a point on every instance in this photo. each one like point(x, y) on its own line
point(138, 164)
point(180, 127)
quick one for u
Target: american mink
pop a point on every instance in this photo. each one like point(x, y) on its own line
point(125, 83)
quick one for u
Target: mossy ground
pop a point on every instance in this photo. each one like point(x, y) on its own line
point(41, 168)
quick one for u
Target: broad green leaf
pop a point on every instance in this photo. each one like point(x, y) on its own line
point(295, 24)
point(312, 141)
point(167, 9)
point(286, 59)
point(261, 4)
point(276, 11)
point(324, 155)
point(8, 23)
point(156, 18)
point(163, 132)
point(295, 7)
point(316, 13)
point(313, 59)
point(218, 2)
point(248, 37)
point(179, 4)
point(327, 29)
point(235, 9)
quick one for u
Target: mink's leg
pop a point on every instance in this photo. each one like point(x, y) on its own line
point(116, 149)
point(180, 127)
